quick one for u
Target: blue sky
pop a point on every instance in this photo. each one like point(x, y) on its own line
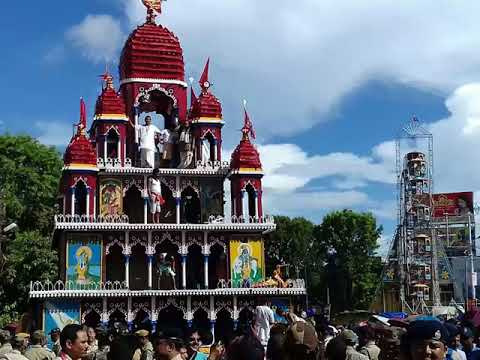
point(328, 84)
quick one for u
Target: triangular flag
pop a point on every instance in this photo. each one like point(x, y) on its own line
point(204, 82)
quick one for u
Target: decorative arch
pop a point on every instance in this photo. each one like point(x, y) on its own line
point(138, 240)
point(115, 242)
point(144, 94)
point(157, 240)
point(89, 308)
point(128, 183)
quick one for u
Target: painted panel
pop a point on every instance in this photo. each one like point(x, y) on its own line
point(58, 315)
point(84, 261)
point(246, 263)
point(111, 197)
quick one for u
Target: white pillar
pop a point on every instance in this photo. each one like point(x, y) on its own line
point(235, 312)
point(145, 210)
point(72, 205)
point(127, 259)
point(105, 155)
point(206, 253)
point(184, 254)
point(212, 316)
point(150, 260)
point(87, 202)
point(214, 148)
point(136, 123)
point(94, 204)
point(245, 212)
point(154, 314)
point(256, 204)
point(129, 313)
point(104, 311)
point(178, 199)
point(119, 149)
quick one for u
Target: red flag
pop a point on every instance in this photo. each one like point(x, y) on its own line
point(248, 125)
point(83, 116)
point(204, 82)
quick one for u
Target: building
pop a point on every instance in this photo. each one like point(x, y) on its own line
point(187, 262)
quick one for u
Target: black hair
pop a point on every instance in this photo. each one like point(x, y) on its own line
point(69, 332)
point(155, 171)
point(245, 347)
point(336, 349)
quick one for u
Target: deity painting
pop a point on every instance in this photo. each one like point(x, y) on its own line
point(111, 197)
point(84, 263)
point(247, 263)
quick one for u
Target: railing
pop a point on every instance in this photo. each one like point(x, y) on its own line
point(123, 219)
point(115, 286)
point(84, 219)
point(115, 163)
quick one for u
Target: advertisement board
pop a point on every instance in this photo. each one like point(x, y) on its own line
point(452, 204)
point(246, 263)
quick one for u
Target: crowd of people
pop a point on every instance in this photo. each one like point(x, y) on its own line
point(294, 338)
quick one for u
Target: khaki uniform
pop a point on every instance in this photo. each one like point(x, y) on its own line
point(146, 352)
point(57, 348)
point(38, 352)
point(13, 355)
point(352, 354)
point(5, 348)
point(371, 350)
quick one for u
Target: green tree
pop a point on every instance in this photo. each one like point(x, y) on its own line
point(29, 178)
point(349, 240)
point(293, 244)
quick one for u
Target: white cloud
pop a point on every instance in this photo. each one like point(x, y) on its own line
point(54, 133)
point(296, 62)
point(55, 55)
point(97, 37)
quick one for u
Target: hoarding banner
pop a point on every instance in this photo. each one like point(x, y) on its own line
point(452, 204)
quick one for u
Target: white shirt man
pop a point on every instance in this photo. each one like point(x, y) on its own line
point(264, 319)
point(146, 135)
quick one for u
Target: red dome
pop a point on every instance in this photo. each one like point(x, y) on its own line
point(80, 153)
point(152, 51)
point(206, 106)
point(109, 102)
point(246, 156)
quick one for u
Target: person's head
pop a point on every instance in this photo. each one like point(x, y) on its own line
point(245, 347)
point(92, 335)
point(301, 341)
point(156, 172)
point(142, 336)
point(183, 352)
point(168, 345)
point(425, 340)
point(39, 338)
point(454, 335)
point(55, 334)
point(195, 340)
point(74, 341)
point(349, 337)
point(20, 342)
point(4, 336)
point(148, 120)
point(365, 335)
point(467, 338)
point(336, 349)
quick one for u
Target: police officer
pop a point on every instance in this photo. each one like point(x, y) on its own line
point(145, 352)
point(425, 339)
point(38, 350)
point(55, 337)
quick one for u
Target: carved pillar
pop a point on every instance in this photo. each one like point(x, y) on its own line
point(214, 149)
point(256, 204)
point(145, 210)
point(127, 252)
point(150, 253)
point(154, 315)
point(72, 205)
point(245, 205)
point(178, 199)
point(105, 154)
point(87, 201)
point(184, 253)
point(130, 317)
point(104, 317)
point(189, 311)
point(235, 312)
point(206, 254)
point(212, 316)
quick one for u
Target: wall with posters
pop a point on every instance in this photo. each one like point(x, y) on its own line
point(453, 204)
point(247, 263)
point(84, 260)
point(111, 197)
